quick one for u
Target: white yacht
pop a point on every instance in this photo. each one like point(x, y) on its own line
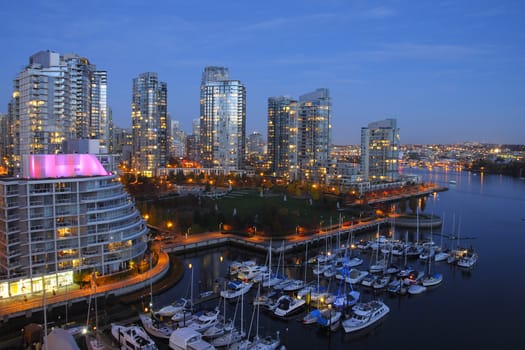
point(155, 327)
point(353, 262)
point(350, 299)
point(205, 320)
point(381, 282)
point(217, 330)
point(132, 338)
point(228, 338)
point(355, 276)
point(432, 280)
point(266, 343)
point(467, 260)
point(251, 271)
point(172, 309)
point(286, 306)
point(441, 256)
point(369, 280)
point(365, 315)
point(188, 339)
point(235, 289)
point(294, 285)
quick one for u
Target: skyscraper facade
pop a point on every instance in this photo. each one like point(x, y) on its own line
point(380, 151)
point(222, 120)
point(55, 98)
point(283, 137)
point(100, 118)
point(314, 135)
point(149, 124)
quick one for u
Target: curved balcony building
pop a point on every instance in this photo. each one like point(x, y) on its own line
point(65, 215)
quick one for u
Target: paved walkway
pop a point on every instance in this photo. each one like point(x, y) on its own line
point(19, 305)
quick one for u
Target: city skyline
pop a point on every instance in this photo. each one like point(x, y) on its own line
point(448, 72)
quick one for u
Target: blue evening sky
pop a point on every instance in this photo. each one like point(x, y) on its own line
point(449, 71)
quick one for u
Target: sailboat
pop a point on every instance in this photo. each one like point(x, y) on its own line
point(270, 279)
point(152, 325)
point(232, 335)
point(468, 259)
point(95, 341)
point(431, 279)
point(441, 255)
point(455, 254)
point(219, 328)
point(379, 265)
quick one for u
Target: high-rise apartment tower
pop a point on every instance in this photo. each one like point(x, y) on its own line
point(149, 124)
point(380, 151)
point(222, 120)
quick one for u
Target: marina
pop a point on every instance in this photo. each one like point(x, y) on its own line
point(422, 315)
point(446, 289)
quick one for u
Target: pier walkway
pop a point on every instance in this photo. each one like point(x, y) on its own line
point(212, 239)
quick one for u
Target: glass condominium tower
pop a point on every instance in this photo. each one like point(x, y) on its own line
point(380, 151)
point(63, 215)
point(56, 98)
point(149, 124)
point(314, 135)
point(222, 120)
point(283, 136)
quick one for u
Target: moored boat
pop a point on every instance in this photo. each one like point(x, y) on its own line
point(287, 306)
point(311, 317)
point(188, 339)
point(381, 282)
point(155, 327)
point(355, 276)
point(468, 259)
point(132, 338)
point(416, 289)
point(329, 317)
point(172, 309)
point(235, 289)
point(432, 280)
point(365, 315)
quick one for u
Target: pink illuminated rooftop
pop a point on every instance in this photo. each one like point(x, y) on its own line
point(41, 166)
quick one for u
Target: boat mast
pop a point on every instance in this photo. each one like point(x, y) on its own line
point(150, 283)
point(442, 225)
point(417, 225)
point(305, 262)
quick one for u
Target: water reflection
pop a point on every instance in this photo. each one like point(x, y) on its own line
point(489, 208)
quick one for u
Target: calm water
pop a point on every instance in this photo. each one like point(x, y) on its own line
point(482, 307)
